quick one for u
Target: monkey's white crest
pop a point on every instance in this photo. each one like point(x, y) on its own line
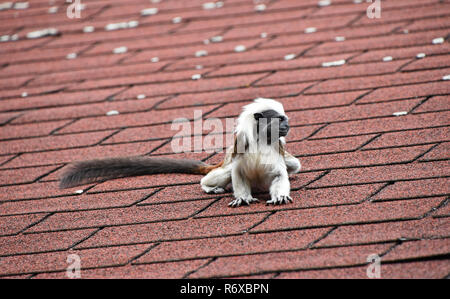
point(246, 118)
point(259, 105)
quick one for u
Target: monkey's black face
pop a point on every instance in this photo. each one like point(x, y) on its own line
point(271, 121)
point(284, 126)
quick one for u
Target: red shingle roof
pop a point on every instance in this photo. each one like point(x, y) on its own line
point(372, 134)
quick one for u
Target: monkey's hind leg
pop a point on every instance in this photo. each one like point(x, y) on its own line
point(292, 163)
point(216, 181)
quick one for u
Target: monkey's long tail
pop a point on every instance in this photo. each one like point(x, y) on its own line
point(91, 171)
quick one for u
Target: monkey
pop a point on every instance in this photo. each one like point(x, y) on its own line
point(259, 164)
point(257, 160)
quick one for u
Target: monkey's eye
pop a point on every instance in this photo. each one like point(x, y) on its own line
point(282, 118)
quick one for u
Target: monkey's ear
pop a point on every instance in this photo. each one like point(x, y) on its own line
point(257, 115)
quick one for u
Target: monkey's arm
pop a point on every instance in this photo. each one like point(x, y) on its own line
point(241, 187)
point(280, 188)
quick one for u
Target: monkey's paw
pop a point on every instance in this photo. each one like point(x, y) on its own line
point(217, 190)
point(242, 201)
point(279, 200)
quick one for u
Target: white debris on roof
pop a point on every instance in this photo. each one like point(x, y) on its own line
point(334, 63)
point(387, 58)
point(421, 55)
point(154, 59)
point(53, 9)
point(339, 38)
point(6, 38)
point(80, 191)
point(357, 1)
point(201, 53)
point(405, 31)
point(240, 48)
point(42, 33)
point(199, 67)
point(21, 5)
point(446, 78)
point(310, 30)
point(71, 56)
point(132, 24)
point(141, 96)
point(263, 35)
point(120, 50)
point(112, 112)
point(177, 20)
point(400, 113)
point(260, 7)
point(289, 57)
point(88, 29)
point(121, 25)
point(149, 11)
point(155, 1)
point(438, 40)
point(216, 39)
point(212, 5)
point(6, 5)
point(24, 94)
point(196, 77)
point(206, 41)
point(324, 3)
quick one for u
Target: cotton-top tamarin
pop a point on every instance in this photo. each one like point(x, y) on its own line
point(256, 161)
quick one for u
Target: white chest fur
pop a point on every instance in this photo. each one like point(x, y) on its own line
point(262, 167)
